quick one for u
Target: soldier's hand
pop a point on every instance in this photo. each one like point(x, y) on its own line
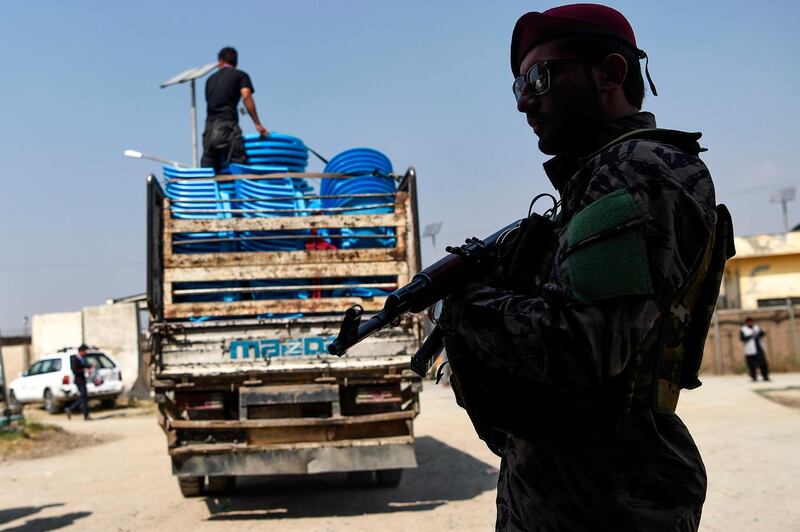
point(453, 307)
point(493, 277)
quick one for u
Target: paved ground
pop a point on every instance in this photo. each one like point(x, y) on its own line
point(748, 442)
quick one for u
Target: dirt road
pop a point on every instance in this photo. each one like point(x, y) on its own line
point(748, 442)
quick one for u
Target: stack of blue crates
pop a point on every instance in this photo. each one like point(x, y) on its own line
point(202, 196)
point(195, 198)
point(279, 195)
point(372, 168)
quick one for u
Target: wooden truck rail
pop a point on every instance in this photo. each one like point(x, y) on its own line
point(166, 266)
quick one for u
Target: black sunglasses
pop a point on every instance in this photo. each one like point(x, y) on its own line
point(538, 77)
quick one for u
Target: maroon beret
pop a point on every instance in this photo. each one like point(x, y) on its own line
point(566, 21)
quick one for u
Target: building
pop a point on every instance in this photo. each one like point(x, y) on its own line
point(764, 273)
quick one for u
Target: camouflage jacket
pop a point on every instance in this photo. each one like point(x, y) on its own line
point(636, 218)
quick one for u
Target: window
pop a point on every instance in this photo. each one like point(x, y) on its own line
point(778, 302)
point(36, 368)
point(46, 365)
point(50, 365)
point(99, 360)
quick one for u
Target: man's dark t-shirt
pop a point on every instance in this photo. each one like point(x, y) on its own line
point(223, 91)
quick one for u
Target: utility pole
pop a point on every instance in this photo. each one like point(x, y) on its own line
point(431, 230)
point(6, 409)
point(784, 196)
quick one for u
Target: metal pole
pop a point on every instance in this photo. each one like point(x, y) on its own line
point(26, 348)
point(717, 344)
point(6, 409)
point(785, 213)
point(194, 126)
point(793, 324)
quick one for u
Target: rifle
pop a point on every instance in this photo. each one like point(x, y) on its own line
point(433, 284)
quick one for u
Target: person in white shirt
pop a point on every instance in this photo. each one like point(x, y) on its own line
point(751, 335)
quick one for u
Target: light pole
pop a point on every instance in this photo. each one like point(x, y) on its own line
point(431, 230)
point(783, 196)
point(134, 154)
point(6, 408)
point(26, 349)
point(191, 75)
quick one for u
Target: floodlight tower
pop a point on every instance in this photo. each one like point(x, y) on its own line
point(784, 196)
point(431, 230)
point(191, 75)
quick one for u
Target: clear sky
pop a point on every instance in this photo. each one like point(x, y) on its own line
point(426, 82)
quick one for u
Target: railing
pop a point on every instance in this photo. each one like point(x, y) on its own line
point(219, 260)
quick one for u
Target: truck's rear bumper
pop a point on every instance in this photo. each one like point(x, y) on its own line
point(302, 460)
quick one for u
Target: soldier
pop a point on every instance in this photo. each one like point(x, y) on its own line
point(574, 381)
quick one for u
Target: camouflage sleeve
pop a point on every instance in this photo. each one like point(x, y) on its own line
point(642, 224)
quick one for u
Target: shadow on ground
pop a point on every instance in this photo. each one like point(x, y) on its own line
point(40, 524)
point(444, 474)
point(788, 396)
point(12, 514)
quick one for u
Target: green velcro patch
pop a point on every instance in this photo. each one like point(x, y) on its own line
point(613, 262)
point(615, 209)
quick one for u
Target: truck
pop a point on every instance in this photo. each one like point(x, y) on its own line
point(240, 370)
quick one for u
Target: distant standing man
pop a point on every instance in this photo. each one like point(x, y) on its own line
point(79, 365)
point(222, 138)
point(751, 335)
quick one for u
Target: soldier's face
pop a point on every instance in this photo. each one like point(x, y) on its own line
point(569, 110)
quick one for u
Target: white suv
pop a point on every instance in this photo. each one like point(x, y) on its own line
point(50, 380)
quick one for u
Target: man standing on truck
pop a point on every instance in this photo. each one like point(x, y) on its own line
point(582, 372)
point(222, 138)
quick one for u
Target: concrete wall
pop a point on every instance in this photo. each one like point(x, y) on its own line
point(115, 330)
point(14, 360)
point(51, 332)
point(781, 343)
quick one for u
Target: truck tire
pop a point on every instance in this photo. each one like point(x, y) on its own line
point(50, 404)
point(191, 486)
point(389, 478)
point(221, 484)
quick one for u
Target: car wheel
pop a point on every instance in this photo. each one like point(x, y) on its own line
point(109, 404)
point(191, 486)
point(389, 478)
point(13, 404)
point(221, 484)
point(50, 404)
